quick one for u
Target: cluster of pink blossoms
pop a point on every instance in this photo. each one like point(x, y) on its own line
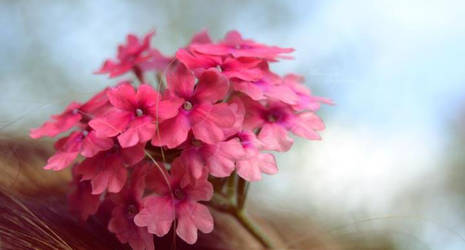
point(149, 152)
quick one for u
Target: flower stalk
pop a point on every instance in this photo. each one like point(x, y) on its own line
point(233, 203)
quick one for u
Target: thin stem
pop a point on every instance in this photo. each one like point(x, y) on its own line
point(242, 190)
point(233, 204)
point(231, 188)
point(253, 229)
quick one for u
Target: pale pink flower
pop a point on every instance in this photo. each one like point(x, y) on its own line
point(305, 100)
point(267, 86)
point(178, 199)
point(254, 162)
point(275, 120)
point(198, 110)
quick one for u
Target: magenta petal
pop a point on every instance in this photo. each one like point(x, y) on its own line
point(93, 144)
point(158, 180)
point(166, 109)
point(59, 123)
point(193, 159)
point(202, 190)
point(134, 154)
point(193, 216)
point(197, 61)
point(147, 96)
point(219, 114)
point(207, 132)
point(180, 80)
point(123, 96)
point(61, 160)
point(104, 171)
point(82, 202)
point(157, 215)
point(210, 49)
point(212, 86)
point(201, 37)
point(140, 130)
point(172, 132)
point(250, 89)
point(111, 177)
point(127, 232)
point(275, 137)
point(111, 124)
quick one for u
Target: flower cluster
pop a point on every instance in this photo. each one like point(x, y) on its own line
point(151, 150)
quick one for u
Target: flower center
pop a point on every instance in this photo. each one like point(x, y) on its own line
point(196, 143)
point(85, 133)
point(132, 210)
point(187, 105)
point(75, 111)
point(272, 118)
point(139, 112)
point(179, 194)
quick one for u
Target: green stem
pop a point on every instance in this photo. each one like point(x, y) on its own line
point(231, 186)
point(233, 203)
point(242, 190)
point(253, 229)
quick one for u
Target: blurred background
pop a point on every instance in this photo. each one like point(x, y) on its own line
point(390, 170)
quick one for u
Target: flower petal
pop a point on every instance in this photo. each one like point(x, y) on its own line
point(275, 137)
point(180, 80)
point(113, 123)
point(212, 86)
point(92, 144)
point(61, 160)
point(123, 96)
point(193, 216)
point(172, 132)
point(306, 124)
point(157, 215)
point(140, 130)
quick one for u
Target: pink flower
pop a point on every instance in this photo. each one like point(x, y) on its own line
point(107, 170)
point(59, 123)
point(133, 115)
point(132, 56)
point(253, 163)
point(235, 45)
point(128, 203)
point(218, 159)
point(276, 119)
point(241, 68)
point(198, 110)
point(72, 116)
point(268, 86)
point(305, 99)
point(177, 199)
point(82, 141)
point(81, 201)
